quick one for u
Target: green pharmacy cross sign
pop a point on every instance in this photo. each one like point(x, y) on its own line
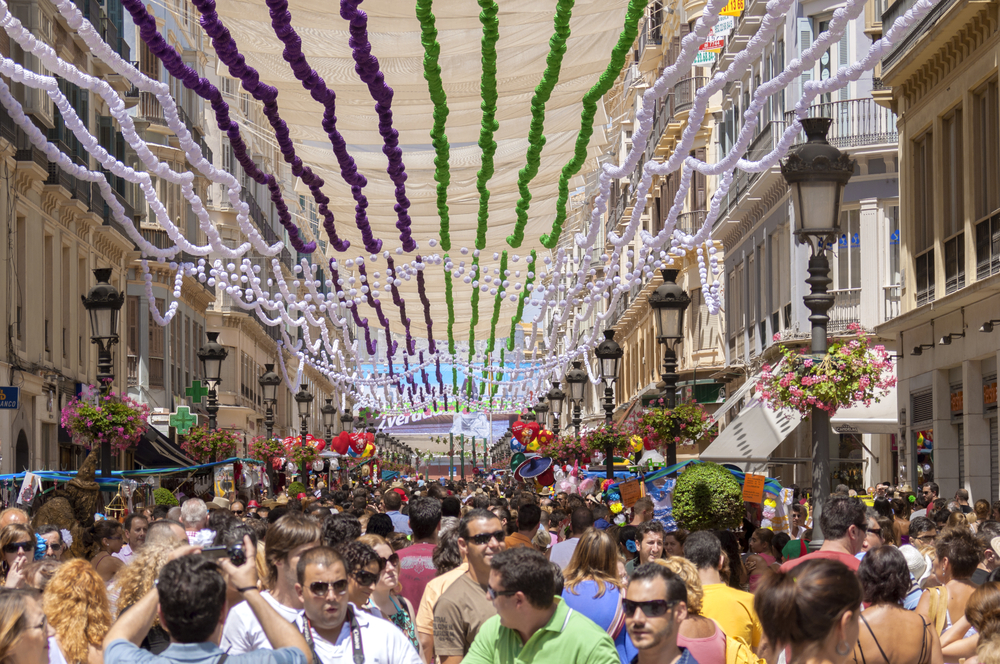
point(183, 420)
point(196, 391)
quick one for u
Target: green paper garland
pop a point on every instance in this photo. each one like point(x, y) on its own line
point(536, 140)
point(475, 310)
point(432, 74)
point(451, 308)
point(625, 41)
point(488, 88)
point(520, 301)
point(497, 301)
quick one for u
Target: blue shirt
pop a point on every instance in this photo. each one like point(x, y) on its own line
point(121, 651)
point(685, 658)
point(400, 522)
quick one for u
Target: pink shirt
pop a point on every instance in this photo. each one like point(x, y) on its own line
point(416, 568)
point(708, 650)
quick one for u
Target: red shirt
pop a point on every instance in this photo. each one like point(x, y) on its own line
point(846, 558)
point(416, 568)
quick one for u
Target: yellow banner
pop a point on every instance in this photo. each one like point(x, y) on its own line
point(732, 8)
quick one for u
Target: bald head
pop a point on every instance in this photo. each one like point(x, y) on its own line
point(13, 515)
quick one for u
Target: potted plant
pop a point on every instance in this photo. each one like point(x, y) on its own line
point(706, 497)
point(853, 371)
point(206, 446)
point(687, 424)
point(92, 419)
point(615, 434)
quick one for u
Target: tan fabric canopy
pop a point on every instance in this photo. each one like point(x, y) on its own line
point(525, 28)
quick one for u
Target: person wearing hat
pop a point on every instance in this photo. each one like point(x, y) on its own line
point(218, 503)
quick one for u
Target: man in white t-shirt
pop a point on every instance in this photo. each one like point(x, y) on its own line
point(287, 539)
point(331, 618)
point(579, 522)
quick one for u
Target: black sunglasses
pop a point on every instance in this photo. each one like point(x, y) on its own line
point(14, 547)
point(652, 608)
point(236, 512)
point(493, 594)
point(484, 538)
point(321, 588)
point(394, 559)
point(875, 531)
point(365, 578)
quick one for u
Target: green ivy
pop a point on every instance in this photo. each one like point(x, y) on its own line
point(707, 497)
point(294, 489)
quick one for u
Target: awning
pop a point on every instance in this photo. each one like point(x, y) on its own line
point(753, 435)
point(880, 417)
point(156, 451)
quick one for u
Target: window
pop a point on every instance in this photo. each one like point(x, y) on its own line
point(848, 263)
point(988, 247)
point(894, 237)
point(986, 149)
point(923, 218)
point(925, 277)
point(703, 326)
point(780, 284)
point(155, 348)
point(954, 207)
point(954, 263)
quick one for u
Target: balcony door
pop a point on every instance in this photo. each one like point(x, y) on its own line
point(847, 272)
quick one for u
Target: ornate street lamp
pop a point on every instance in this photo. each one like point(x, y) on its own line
point(669, 302)
point(347, 421)
point(542, 413)
point(556, 398)
point(609, 354)
point(103, 302)
point(577, 379)
point(329, 412)
point(212, 355)
point(303, 399)
point(817, 173)
point(269, 382)
point(381, 443)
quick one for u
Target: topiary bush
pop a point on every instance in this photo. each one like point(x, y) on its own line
point(163, 496)
point(706, 497)
point(295, 488)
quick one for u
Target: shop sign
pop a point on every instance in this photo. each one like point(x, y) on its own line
point(10, 396)
point(733, 8)
point(704, 58)
point(990, 393)
point(957, 404)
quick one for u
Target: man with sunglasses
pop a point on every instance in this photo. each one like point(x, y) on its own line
point(533, 624)
point(464, 606)
point(874, 538)
point(330, 619)
point(237, 509)
point(655, 605)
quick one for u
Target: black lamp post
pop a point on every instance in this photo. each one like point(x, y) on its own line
point(103, 303)
point(269, 382)
point(556, 398)
point(347, 421)
point(577, 379)
point(817, 173)
point(212, 355)
point(302, 400)
point(542, 413)
point(669, 303)
point(381, 443)
point(609, 353)
point(329, 412)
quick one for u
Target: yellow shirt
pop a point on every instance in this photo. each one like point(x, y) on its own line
point(434, 589)
point(733, 610)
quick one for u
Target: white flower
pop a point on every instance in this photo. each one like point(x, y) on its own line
point(67, 537)
point(203, 538)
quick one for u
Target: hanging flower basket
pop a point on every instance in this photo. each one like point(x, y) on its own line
point(204, 445)
point(266, 449)
point(853, 371)
point(93, 419)
point(596, 440)
point(301, 454)
point(687, 424)
point(566, 449)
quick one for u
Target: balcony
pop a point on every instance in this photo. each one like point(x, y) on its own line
point(691, 222)
point(150, 110)
point(156, 237)
point(910, 37)
point(856, 123)
point(685, 91)
point(846, 309)
point(651, 37)
point(891, 296)
point(132, 371)
point(26, 151)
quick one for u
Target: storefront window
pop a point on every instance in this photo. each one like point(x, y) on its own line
point(848, 466)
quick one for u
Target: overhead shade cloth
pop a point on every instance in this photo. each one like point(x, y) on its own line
point(880, 417)
point(753, 435)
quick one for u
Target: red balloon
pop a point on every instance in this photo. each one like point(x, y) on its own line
point(358, 442)
point(341, 442)
point(516, 428)
point(531, 430)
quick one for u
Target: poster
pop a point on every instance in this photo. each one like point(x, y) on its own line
point(753, 488)
point(31, 485)
point(223, 476)
point(733, 8)
point(630, 492)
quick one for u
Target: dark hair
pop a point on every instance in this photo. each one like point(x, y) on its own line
point(528, 517)
point(703, 549)
point(392, 500)
point(160, 512)
point(882, 507)
point(358, 555)
point(839, 514)
point(959, 546)
point(581, 519)
point(132, 517)
point(192, 596)
point(921, 525)
point(934, 488)
point(557, 516)
point(480, 500)
point(340, 528)
point(625, 534)
point(318, 555)
point(796, 508)
point(379, 524)
point(676, 590)
point(446, 556)
point(425, 515)
point(49, 528)
point(645, 527)
point(451, 506)
point(778, 544)
point(558, 582)
point(217, 519)
point(900, 508)
point(884, 576)
point(526, 570)
point(470, 516)
point(940, 518)
point(105, 528)
point(731, 546)
point(276, 513)
point(505, 517)
point(233, 532)
point(802, 605)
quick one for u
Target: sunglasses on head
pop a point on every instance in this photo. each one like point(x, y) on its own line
point(365, 578)
point(393, 559)
point(484, 538)
point(14, 547)
point(652, 608)
point(322, 588)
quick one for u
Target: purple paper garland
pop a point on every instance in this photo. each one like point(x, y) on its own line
point(367, 67)
point(281, 22)
point(229, 54)
point(391, 345)
point(411, 344)
point(174, 64)
point(422, 292)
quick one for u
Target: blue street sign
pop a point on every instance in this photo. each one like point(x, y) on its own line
point(9, 397)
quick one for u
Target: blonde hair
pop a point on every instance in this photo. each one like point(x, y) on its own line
point(688, 573)
point(137, 578)
point(76, 604)
point(595, 558)
point(373, 540)
point(13, 619)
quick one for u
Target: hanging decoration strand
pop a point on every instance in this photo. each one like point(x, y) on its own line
point(488, 89)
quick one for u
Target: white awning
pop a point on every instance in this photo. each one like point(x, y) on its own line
point(752, 436)
point(880, 417)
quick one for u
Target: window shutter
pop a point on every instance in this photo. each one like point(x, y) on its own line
point(805, 41)
point(842, 52)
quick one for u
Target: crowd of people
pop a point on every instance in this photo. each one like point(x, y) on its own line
point(450, 572)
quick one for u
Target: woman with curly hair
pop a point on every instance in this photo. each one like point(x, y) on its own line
point(385, 601)
point(136, 579)
point(24, 631)
point(76, 605)
point(103, 539)
point(17, 546)
point(364, 568)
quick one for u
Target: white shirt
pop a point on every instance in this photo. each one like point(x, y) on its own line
point(126, 554)
point(242, 632)
point(382, 642)
point(562, 552)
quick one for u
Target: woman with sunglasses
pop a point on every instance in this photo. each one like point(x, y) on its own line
point(364, 569)
point(17, 543)
point(385, 601)
point(102, 539)
point(24, 632)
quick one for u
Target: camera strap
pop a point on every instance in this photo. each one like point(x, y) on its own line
point(356, 645)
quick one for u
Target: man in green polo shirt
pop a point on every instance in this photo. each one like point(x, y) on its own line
point(532, 624)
